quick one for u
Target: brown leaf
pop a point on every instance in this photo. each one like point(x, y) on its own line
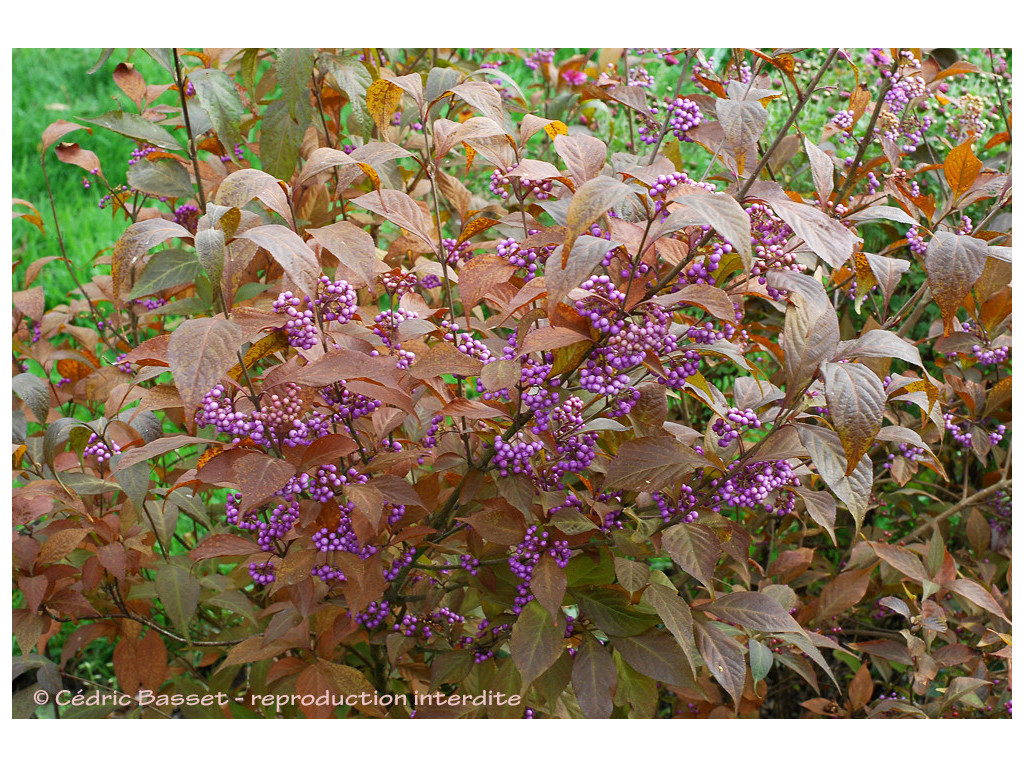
point(594, 678)
point(364, 579)
point(55, 131)
point(953, 263)
point(861, 688)
point(444, 359)
point(652, 463)
point(60, 544)
point(548, 586)
point(479, 275)
point(352, 246)
point(655, 654)
point(500, 525)
point(591, 201)
point(222, 545)
point(550, 337)
point(695, 548)
point(856, 401)
point(584, 156)
point(400, 209)
point(257, 475)
point(843, 593)
point(723, 657)
point(199, 353)
point(290, 251)
point(536, 641)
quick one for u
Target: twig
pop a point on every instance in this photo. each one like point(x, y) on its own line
point(788, 124)
point(862, 148)
point(188, 129)
point(969, 501)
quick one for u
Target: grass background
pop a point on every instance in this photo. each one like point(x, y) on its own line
point(51, 84)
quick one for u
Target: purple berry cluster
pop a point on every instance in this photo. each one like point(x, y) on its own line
point(540, 56)
point(728, 429)
point(262, 573)
point(526, 556)
point(683, 506)
point(301, 324)
point(373, 615)
point(761, 483)
point(385, 325)
point(100, 449)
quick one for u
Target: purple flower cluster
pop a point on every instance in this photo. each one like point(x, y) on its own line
point(465, 342)
point(685, 116)
point(908, 452)
point(916, 242)
point(680, 369)
point(337, 300)
point(530, 259)
point(456, 252)
point(514, 457)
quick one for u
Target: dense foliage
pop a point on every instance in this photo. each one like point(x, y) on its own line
point(626, 382)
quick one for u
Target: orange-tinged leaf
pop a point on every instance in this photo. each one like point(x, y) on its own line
point(475, 227)
point(382, 100)
point(961, 168)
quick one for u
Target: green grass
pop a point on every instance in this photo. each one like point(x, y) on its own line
point(48, 85)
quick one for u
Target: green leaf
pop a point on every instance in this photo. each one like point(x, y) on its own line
point(294, 68)
point(760, 659)
point(161, 178)
point(352, 78)
point(165, 269)
point(135, 127)
point(611, 611)
point(280, 138)
point(178, 591)
point(217, 94)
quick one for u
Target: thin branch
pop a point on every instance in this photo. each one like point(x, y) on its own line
point(980, 496)
point(785, 128)
point(180, 80)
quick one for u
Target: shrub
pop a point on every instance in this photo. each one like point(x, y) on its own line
point(568, 384)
